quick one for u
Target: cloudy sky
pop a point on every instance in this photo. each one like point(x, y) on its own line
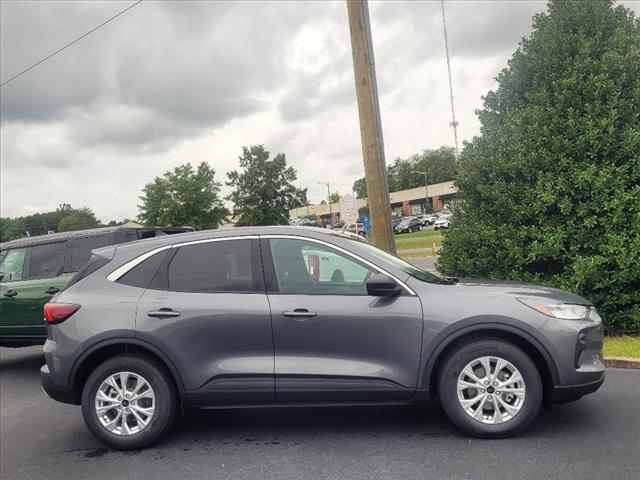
point(168, 83)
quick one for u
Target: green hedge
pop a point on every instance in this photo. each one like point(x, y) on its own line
point(550, 190)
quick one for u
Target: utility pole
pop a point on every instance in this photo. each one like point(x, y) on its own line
point(454, 122)
point(328, 200)
point(375, 170)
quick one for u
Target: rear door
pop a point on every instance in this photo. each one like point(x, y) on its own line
point(207, 309)
point(332, 341)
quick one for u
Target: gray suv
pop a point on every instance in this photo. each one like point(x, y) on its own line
point(295, 315)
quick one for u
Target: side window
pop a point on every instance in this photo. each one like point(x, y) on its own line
point(130, 236)
point(80, 249)
point(46, 260)
point(142, 274)
point(304, 267)
point(222, 266)
point(12, 265)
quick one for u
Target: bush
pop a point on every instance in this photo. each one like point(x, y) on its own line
point(550, 190)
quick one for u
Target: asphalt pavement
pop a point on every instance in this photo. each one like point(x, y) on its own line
point(597, 437)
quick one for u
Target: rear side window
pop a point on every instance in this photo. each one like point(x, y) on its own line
point(94, 263)
point(142, 274)
point(47, 260)
point(222, 266)
point(80, 249)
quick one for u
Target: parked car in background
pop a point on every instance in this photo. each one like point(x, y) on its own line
point(304, 222)
point(279, 316)
point(33, 269)
point(395, 222)
point(408, 225)
point(443, 222)
point(428, 219)
point(357, 228)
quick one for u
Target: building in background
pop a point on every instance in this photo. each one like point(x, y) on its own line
point(403, 203)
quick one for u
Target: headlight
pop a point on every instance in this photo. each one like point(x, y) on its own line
point(565, 311)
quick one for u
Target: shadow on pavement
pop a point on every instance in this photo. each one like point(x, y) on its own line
point(21, 360)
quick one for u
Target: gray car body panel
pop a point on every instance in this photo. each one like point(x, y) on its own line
point(239, 349)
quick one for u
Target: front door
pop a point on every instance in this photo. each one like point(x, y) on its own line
point(206, 308)
point(332, 341)
point(31, 276)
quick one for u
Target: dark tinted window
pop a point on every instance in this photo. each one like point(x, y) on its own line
point(94, 263)
point(223, 266)
point(80, 249)
point(130, 236)
point(47, 260)
point(142, 274)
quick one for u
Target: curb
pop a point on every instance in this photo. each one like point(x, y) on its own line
point(622, 362)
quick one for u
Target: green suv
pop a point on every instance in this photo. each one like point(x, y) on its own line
point(33, 269)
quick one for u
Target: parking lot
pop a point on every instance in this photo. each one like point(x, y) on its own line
point(595, 438)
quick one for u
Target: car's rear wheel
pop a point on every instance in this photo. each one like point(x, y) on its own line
point(129, 401)
point(490, 388)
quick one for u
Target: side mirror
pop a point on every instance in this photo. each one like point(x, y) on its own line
point(381, 285)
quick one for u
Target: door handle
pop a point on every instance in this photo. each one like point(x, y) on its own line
point(299, 314)
point(52, 290)
point(163, 313)
point(10, 293)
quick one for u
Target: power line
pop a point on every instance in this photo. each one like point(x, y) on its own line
point(70, 43)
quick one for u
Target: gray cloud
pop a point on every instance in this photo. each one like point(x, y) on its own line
point(171, 82)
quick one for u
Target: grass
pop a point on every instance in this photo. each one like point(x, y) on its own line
point(624, 346)
point(422, 239)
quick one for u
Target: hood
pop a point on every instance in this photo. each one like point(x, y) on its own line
point(519, 289)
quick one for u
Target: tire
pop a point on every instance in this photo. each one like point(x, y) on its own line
point(165, 401)
point(529, 404)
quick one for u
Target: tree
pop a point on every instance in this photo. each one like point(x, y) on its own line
point(334, 197)
point(550, 190)
point(360, 188)
point(12, 228)
point(263, 191)
point(77, 220)
point(47, 222)
point(183, 197)
point(405, 173)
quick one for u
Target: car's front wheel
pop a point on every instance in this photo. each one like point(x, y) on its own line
point(490, 388)
point(129, 401)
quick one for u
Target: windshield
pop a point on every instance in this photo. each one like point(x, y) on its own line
point(403, 265)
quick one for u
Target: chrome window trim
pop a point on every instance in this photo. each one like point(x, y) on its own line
point(347, 252)
point(123, 269)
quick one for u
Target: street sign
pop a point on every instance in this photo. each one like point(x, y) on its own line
point(348, 210)
point(366, 223)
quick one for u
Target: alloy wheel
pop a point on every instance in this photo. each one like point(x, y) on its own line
point(491, 390)
point(125, 403)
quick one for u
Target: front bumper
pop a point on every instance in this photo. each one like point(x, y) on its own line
point(60, 394)
point(570, 393)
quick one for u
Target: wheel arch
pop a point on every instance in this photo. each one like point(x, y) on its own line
point(532, 346)
point(102, 351)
